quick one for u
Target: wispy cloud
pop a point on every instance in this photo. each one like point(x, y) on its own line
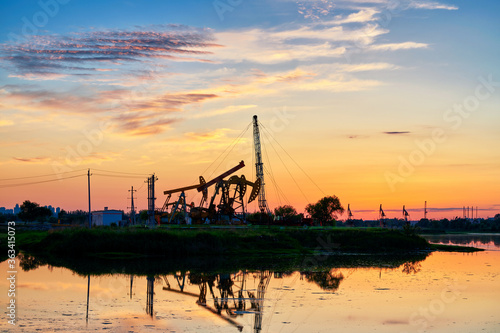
point(397, 132)
point(368, 67)
point(315, 9)
point(431, 5)
point(40, 159)
point(362, 16)
point(86, 53)
point(398, 46)
point(224, 111)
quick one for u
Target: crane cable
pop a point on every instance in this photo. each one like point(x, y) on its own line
point(232, 145)
point(277, 154)
point(271, 174)
point(305, 173)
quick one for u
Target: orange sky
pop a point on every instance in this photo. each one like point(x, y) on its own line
point(376, 111)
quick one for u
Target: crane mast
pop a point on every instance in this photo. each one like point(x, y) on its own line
point(259, 167)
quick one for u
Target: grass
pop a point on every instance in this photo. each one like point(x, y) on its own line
point(175, 242)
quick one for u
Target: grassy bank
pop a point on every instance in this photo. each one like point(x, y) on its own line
point(174, 243)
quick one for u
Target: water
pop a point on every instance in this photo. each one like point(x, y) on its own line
point(441, 292)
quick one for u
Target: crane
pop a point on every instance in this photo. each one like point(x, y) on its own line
point(259, 167)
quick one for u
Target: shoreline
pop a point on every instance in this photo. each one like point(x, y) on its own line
point(228, 240)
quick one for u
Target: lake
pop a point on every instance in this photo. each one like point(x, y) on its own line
point(438, 292)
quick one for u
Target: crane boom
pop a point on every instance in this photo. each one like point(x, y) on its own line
point(259, 167)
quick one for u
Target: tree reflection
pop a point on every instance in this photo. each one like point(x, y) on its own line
point(27, 262)
point(327, 280)
point(412, 267)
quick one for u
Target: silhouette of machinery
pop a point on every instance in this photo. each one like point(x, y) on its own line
point(226, 204)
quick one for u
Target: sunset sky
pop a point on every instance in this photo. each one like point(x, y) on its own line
point(378, 102)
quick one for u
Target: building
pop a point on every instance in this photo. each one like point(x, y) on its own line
point(17, 209)
point(106, 217)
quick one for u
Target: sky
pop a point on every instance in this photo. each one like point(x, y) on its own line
point(377, 102)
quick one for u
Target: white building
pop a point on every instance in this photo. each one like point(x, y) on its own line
point(106, 217)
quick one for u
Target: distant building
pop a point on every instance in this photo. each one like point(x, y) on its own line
point(2, 210)
point(106, 217)
point(17, 209)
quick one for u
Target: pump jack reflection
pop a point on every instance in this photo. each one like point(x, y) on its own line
point(228, 294)
point(228, 291)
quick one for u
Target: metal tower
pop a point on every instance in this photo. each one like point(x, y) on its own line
point(259, 167)
point(151, 199)
point(132, 207)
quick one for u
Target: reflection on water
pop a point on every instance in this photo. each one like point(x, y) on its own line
point(483, 241)
point(443, 292)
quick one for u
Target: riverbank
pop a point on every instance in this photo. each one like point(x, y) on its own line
point(187, 242)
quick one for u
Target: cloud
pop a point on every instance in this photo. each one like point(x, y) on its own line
point(397, 132)
point(315, 9)
point(33, 286)
point(141, 123)
point(36, 100)
point(41, 159)
point(224, 111)
point(430, 5)
point(398, 46)
point(339, 84)
point(45, 57)
point(6, 122)
point(362, 16)
point(378, 66)
point(135, 115)
point(357, 136)
point(218, 134)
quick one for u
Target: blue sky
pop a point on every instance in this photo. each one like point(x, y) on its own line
point(348, 86)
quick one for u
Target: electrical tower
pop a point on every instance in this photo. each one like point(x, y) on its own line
point(151, 199)
point(132, 207)
point(259, 167)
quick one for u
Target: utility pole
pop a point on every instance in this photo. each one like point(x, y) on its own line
point(425, 210)
point(90, 211)
point(151, 199)
point(132, 207)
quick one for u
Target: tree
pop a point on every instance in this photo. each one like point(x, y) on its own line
point(143, 215)
point(325, 209)
point(286, 211)
point(31, 211)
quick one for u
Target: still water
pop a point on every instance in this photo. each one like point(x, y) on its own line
point(440, 292)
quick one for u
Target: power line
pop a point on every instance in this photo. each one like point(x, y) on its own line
point(123, 173)
point(40, 182)
point(40, 176)
point(116, 176)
